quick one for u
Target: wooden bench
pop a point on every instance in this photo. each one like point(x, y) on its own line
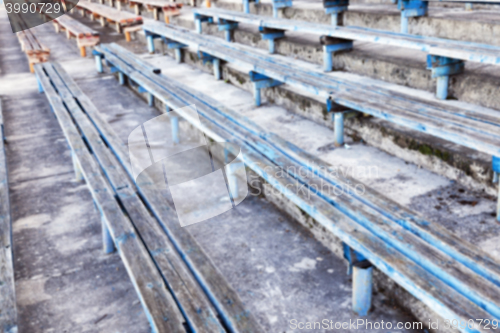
point(168, 8)
point(8, 309)
point(123, 21)
point(453, 278)
point(85, 36)
point(35, 51)
point(180, 289)
point(445, 57)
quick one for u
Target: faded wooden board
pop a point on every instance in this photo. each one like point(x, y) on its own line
point(76, 28)
point(181, 283)
point(453, 269)
point(114, 15)
point(8, 309)
point(161, 309)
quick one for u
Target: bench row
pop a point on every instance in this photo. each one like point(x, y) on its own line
point(454, 279)
point(177, 284)
point(445, 57)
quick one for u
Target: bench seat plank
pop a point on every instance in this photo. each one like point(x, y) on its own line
point(187, 292)
point(8, 309)
point(161, 309)
point(174, 101)
point(113, 15)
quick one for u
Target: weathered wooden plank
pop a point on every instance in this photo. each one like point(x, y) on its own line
point(75, 27)
point(122, 17)
point(318, 206)
point(181, 283)
point(8, 309)
point(160, 307)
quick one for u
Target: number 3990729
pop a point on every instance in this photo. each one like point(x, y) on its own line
point(40, 7)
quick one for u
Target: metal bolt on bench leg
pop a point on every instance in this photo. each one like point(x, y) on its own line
point(107, 241)
point(362, 282)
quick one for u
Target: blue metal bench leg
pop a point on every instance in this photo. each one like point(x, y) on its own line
point(151, 99)
point(98, 63)
point(256, 94)
point(121, 78)
point(246, 6)
point(331, 45)
point(232, 180)
point(271, 35)
point(411, 8)
point(151, 44)
point(338, 119)
point(362, 282)
point(335, 9)
point(178, 55)
point(198, 26)
point(107, 241)
point(174, 122)
point(442, 68)
point(76, 166)
point(216, 65)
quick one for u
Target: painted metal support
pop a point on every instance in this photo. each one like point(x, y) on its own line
point(216, 65)
point(232, 180)
point(121, 78)
point(411, 8)
point(362, 280)
point(277, 4)
point(198, 20)
point(151, 44)
point(98, 60)
point(151, 99)
point(442, 68)
point(174, 123)
point(177, 48)
point(261, 81)
point(362, 284)
point(336, 8)
point(271, 35)
point(107, 241)
point(228, 27)
point(338, 123)
point(76, 166)
point(246, 6)
point(331, 45)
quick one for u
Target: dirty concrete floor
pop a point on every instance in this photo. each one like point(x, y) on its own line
point(65, 283)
